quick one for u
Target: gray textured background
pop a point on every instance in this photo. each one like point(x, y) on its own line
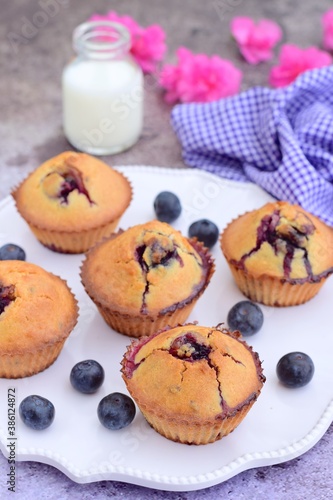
point(31, 132)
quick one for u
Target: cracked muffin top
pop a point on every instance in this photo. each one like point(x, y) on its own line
point(280, 240)
point(149, 269)
point(36, 307)
point(72, 191)
point(193, 372)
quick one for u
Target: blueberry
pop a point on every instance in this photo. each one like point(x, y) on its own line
point(295, 369)
point(87, 376)
point(10, 251)
point(116, 411)
point(37, 412)
point(167, 206)
point(205, 230)
point(246, 317)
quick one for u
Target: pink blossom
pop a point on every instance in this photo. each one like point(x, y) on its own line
point(327, 21)
point(147, 44)
point(199, 78)
point(255, 41)
point(294, 61)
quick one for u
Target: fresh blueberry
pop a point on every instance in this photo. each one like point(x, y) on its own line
point(205, 230)
point(10, 251)
point(167, 206)
point(37, 412)
point(87, 376)
point(295, 369)
point(116, 411)
point(246, 317)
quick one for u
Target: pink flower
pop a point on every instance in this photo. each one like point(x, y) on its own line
point(147, 44)
point(327, 21)
point(294, 61)
point(198, 78)
point(255, 41)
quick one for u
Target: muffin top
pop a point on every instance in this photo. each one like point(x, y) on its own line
point(280, 240)
point(148, 269)
point(36, 307)
point(72, 192)
point(194, 372)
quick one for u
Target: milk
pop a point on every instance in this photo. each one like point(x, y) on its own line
point(102, 90)
point(102, 104)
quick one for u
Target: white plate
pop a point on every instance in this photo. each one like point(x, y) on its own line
point(283, 424)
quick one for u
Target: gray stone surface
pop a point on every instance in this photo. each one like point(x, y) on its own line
point(31, 132)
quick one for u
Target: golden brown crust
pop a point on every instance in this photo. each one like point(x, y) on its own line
point(202, 388)
point(109, 194)
point(148, 272)
point(38, 313)
point(72, 200)
point(279, 254)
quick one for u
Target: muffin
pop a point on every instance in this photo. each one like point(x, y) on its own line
point(146, 277)
point(192, 383)
point(37, 313)
point(279, 254)
point(72, 200)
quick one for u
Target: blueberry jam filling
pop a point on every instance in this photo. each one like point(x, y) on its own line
point(72, 180)
point(159, 250)
point(7, 295)
point(286, 237)
point(157, 256)
point(188, 348)
point(139, 257)
point(152, 255)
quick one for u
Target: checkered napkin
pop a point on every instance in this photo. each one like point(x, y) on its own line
point(281, 139)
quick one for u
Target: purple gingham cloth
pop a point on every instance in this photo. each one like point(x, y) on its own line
point(280, 139)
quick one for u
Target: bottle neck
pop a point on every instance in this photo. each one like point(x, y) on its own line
point(101, 40)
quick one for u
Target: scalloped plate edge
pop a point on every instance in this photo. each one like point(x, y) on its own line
point(175, 483)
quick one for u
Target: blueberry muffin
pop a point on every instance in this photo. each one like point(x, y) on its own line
point(192, 383)
point(146, 277)
point(37, 313)
point(279, 254)
point(72, 200)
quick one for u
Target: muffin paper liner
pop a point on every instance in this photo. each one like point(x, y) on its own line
point(72, 242)
point(29, 363)
point(142, 325)
point(184, 430)
point(273, 291)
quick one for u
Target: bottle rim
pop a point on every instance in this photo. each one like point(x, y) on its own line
point(101, 38)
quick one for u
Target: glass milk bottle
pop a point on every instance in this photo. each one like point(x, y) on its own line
point(102, 90)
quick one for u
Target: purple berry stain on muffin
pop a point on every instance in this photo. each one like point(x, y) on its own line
point(156, 251)
point(287, 237)
point(62, 181)
point(159, 250)
point(7, 295)
point(188, 348)
point(155, 255)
